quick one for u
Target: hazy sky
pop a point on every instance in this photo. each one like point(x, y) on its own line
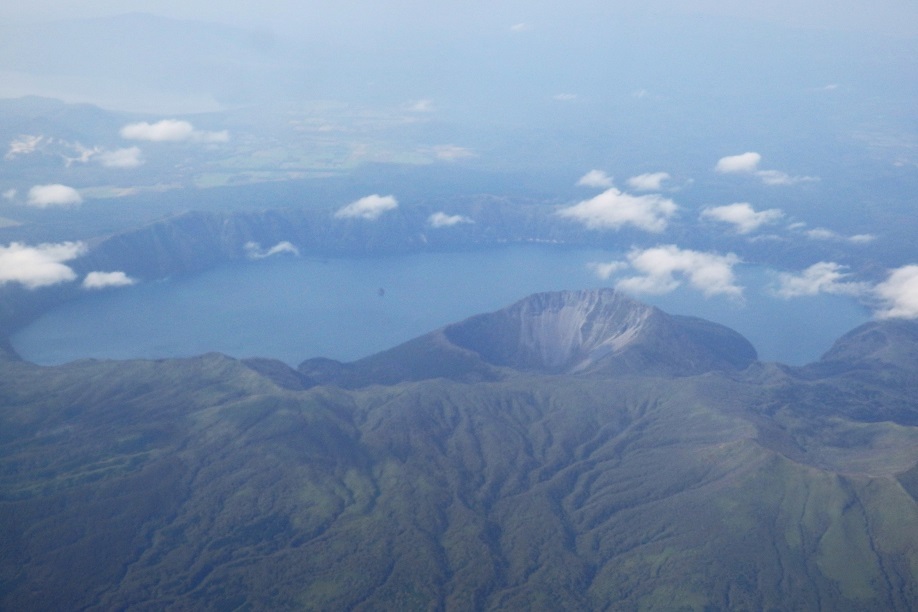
point(357, 17)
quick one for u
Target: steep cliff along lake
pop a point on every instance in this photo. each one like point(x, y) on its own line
point(295, 308)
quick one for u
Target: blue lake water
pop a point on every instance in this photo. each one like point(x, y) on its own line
point(296, 308)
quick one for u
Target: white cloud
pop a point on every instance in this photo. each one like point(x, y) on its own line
point(663, 269)
point(283, 247)
point(520, 27)
point(652, 181)
point(452, 152)
point(369, 207)
point(607, 270)
point(171, 130)
point(564, 97)
point(612, 209)
point(899, 294)
point(742, 216)
point(595, 178)
point(425, 105)
point(894, 298)
point(253, 250)
point(38, 266)
point(23, 145)
point(441, 219)
point(10, 195)
point(748, 163)
point(42, 196)
point(167, 130)
point(738, 164)
point(100, 280)
point(776, 177)
point(823, 277)
point(131, 157)
point(83, 154)
point(821, 233)
point(75, 152)
point(767, 238)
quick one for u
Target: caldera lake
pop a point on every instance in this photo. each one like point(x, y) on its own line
point(294, 308)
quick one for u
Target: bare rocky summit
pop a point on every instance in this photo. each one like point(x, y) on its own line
point(585, 332)
point(593, 330)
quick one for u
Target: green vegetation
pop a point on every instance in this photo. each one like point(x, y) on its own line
point(202, 484)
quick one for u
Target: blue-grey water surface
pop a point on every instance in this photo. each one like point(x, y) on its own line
point(296, 308)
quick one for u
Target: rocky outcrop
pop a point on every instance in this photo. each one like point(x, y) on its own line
point(555, 332)
point(588, 332)
point(599, 330)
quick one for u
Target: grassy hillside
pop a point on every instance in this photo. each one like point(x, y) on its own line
point(201, 484)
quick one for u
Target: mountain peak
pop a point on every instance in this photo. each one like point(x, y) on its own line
point(589, 332)
point(894, 341)
point(559, 331)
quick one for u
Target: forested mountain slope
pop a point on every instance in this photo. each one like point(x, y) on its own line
point(519, 483)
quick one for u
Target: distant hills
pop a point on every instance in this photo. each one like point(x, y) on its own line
point(575, 450)
point(185, 206)
point(189, 242)
point(192, 241)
